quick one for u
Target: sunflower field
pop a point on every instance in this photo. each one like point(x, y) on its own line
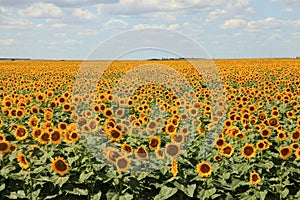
point(63, 137)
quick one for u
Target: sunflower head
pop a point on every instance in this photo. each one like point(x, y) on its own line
point(22, 160)
point(60, 166)
point(204, 169)
point(122, 163)
point(285, 152)
point(255, 178)
point(248, 151)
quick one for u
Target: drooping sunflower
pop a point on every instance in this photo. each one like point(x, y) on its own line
point(248, 151)
point(173, 149)
point(60, 166)
point(23, 162)
point(141, 153)
point(4, 146)
point(21, 133)
point(255, 178)
point(285, 152)
point(297, 154)
point(227, 150)
point(154, 142)
point(204, 169)
point(122, 163)
point(174, 168)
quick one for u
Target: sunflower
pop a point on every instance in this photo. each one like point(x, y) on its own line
point(122, 163)
point(36, 132)
point(119, 112)
point(267, 143)
point(179, 137)
point(33, 121)
point(44, 138)
point(248, 151)
point(273, 121)
point(67, 107)
point(285, 152)
point(173, 149)
point(62, 126)
point(217, 158)
point(21, 133)
point(160, 154)
point(254, 178)
point(171, 128)
point(290, 114)
point(35, 110)
point(56, 136)
point(260, 145)
point(154, 143)
point(297, 154)
point(227, 150)
point(220, 142)
point(204, 169)
point(20, 113)
point(60, 166)
point(281, 136)
point(13, 147)
point(295, 136)
point(127, 148)
point(141, 153)
point(152, 125)
point(108, 112)
point(115, 134)
point(295, 146)
point(174, 168)
point(2, 137)
point(111, 154)
point(240, 136)
point(265, 133)
point(93, 124)
point(23, 162)
point(48, 115)
point(4, 146)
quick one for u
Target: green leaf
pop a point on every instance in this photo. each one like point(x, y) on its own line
point(97, 196)
point(61, 180)
point(189, 190)
point(285, 192)
point(166, 192)
point(2, 187)
point(126, 197)
point(112, 195)
point(205, 194)
point(78, 191)
point(51, 196)
point(83, 177)
point(263, 194)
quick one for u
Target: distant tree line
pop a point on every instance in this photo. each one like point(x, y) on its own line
point(14, 59)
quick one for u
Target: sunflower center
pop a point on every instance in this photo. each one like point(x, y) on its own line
point(122, 163)
point(3, 146)
point(21, 132)
point(205, 168)
point(55, 136)
point(284, 151)
point(60, 165)
point(254, 177)
point(248, 151)
point(154, 142)
point(172, 150)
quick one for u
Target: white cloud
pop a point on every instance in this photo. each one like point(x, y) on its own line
point(87, 32)
point(83, 14)
point(60, 35)
point(288, 10)
point(142, 26)
point(7, 41)
point(289, 2)
point(173, 26)
point(59, 25)
point(115, 23)
point(296, 35)
point(232, 24)
point(41, 10)
point(139, 7)
point(215, 14)
point(72, 41)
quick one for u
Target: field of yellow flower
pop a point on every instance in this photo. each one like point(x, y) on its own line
point(50, 131)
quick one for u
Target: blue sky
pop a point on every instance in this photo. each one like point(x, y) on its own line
point(72, 29)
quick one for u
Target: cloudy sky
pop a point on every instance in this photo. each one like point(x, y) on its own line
point(72, 29)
